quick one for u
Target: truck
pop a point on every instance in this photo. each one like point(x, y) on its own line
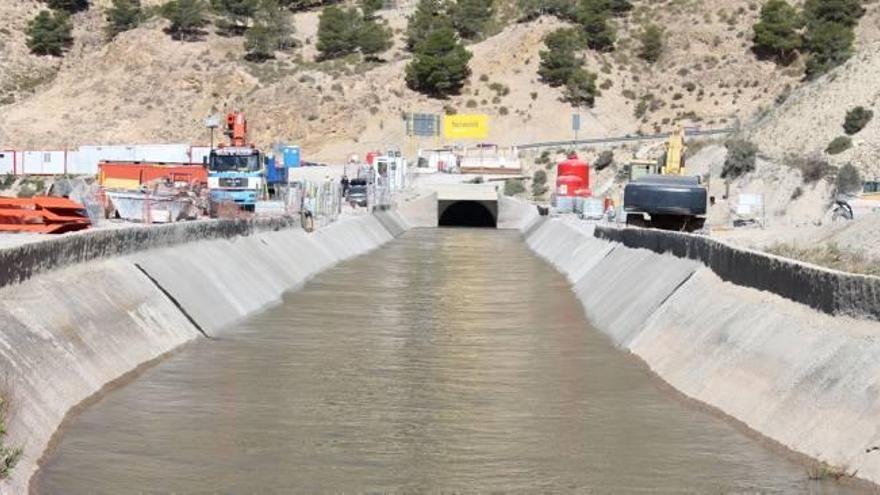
point(669, 200)
point(235, 172)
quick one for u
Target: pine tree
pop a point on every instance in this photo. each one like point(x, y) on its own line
point(430, 15)
point(338, 31)
point(830, 45)
point(237, 14)
point(580, 89)
point(844, 12)
point(776, 33)
point(651, 39)
point(593, 17)
point(618, 7)
point(373, 38)
point(563, 9)
point(122, 16)
point(49, 33)
point(370, 7)
point(187, 18)
point(69, 6)
point(560, 59)
point(440, 65)
point(469, 17)
point(271, 31)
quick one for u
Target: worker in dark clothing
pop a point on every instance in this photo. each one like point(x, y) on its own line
point(345, 185)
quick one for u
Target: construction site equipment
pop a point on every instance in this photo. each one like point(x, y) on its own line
point(490, 159)
point(132, 175)
point(235, 172)
point(670, 200)
point(42, 214)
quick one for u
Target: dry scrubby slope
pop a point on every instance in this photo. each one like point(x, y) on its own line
point(144, 87)
point(813, 116)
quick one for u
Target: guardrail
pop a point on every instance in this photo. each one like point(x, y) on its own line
point(625, 139)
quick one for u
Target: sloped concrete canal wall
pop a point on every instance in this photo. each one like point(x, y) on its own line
point(107, 302)
point(778, 353)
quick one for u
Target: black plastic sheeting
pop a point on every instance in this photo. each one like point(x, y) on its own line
point(20, 263)
point(829, 291)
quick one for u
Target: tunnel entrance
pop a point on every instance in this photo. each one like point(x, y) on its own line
point(467, 214)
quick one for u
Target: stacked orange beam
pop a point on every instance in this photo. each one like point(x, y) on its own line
point(42, 214)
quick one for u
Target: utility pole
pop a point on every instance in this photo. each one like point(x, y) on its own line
point(212, 123)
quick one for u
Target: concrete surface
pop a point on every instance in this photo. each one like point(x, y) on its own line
point(800, 376)
point(90, 317)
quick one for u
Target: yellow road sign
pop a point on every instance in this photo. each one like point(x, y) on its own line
point(474, 126)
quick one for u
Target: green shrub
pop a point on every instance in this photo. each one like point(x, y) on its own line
point(580, 89)
point(651, 39)
point(593, 17)
point(839, 145)
point(49, 33)
point(69, 6)
point(539, 184)
point(9, 456)
point(605, 160)
point(856, 119)
point(830, 45)
point(741, 158)
point(849, 180)
point(812, 168)
point(512, 187)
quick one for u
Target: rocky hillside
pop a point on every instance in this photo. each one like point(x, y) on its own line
point(813, 116)
point(145, 87)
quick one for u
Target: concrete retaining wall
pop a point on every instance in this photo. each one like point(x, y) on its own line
point(77, 327)
point(800, 376)
point(826, 290)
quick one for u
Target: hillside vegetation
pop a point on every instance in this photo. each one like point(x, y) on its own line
point(638, 66)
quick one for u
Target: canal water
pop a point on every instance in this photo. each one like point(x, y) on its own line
point(448, 360)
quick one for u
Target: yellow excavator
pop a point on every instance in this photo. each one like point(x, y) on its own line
point(669, 199)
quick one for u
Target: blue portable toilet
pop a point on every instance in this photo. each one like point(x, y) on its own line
point(291, 156)
point(275, 172)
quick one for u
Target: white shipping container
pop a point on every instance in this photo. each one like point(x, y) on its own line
point(7, 162)
point(42, 162)
point(85, 161)
point(199, 154)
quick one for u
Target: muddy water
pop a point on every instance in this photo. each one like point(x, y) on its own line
point(450, 360)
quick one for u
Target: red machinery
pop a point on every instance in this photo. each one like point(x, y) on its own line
point(42, 215)
point(236, 129)
point(573, 177)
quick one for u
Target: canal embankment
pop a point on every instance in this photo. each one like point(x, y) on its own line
point(788, 349)
point(80, 311)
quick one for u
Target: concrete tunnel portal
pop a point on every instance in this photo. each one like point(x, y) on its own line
point(467, 214)
point(467, 205)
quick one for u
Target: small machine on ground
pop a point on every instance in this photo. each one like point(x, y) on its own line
point(235, 172)
point(669, 200)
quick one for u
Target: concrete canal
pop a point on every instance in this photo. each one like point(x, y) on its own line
point(447, 360)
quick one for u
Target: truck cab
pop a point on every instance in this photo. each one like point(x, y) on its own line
point(235, 174)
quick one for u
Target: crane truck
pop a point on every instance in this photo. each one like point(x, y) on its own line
point(670, 199)
point(235, 172)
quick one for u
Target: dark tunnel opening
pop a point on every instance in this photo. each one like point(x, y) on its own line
point(467, 214)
